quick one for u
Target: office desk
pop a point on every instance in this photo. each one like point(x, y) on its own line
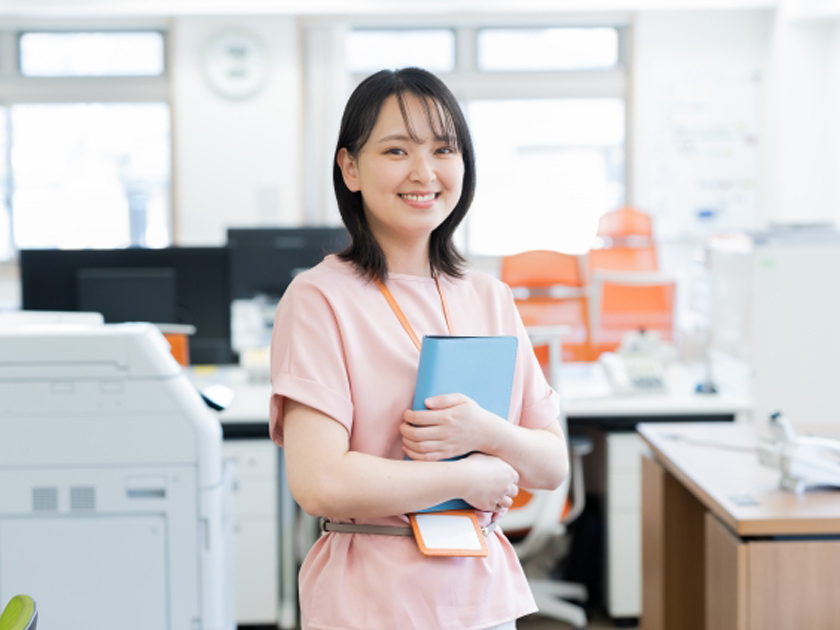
point(613, 469)
point(724, 547)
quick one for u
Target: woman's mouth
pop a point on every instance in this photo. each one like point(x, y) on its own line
point(419, 198)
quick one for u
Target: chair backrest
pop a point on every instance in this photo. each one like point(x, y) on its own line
point(20, 613)
point(622, 259)
point(539, 271)
point(621, 303)
point(624, 224)
point(541, 268)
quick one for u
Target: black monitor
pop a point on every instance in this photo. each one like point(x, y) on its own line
point(263, 261)
point(176, 285)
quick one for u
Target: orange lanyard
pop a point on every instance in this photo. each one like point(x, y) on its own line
point(401, 316)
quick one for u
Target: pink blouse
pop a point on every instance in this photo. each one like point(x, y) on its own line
point(338, 347)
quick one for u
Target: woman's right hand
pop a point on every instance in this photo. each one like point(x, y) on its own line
point(491, 482)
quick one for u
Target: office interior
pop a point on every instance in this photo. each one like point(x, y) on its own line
point(714, 119)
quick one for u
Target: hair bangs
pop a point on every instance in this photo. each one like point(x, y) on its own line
point(440, 119)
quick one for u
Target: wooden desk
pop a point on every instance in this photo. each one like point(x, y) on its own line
point(722, 546)
point(613, 469)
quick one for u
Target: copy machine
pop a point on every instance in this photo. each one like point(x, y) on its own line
point(114, 504)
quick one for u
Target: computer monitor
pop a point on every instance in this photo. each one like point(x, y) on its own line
point(176, 285)
point(263, 261)
point(132, 294)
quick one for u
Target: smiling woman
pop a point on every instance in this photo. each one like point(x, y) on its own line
point(409, 174)
point(343, 374)
point(400, 107)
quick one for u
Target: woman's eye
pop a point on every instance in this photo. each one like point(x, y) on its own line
point(446, 150)
point(394, 151)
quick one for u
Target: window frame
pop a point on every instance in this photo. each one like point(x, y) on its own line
point(18, 89)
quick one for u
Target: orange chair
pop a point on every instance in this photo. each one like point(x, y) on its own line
point(623, 302)
point(549, 291)
point(624, 226)
point(622, 259)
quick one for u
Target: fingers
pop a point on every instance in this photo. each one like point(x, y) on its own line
point(506, 501)
point(421, 418)
point(420, 433)
point(446, 400)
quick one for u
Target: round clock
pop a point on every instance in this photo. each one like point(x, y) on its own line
point(234, 64)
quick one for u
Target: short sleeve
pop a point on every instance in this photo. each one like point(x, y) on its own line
point(540, 403)
point(307, 358)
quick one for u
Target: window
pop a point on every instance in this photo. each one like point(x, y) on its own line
point(91, 54)
point(91, 166)
point(547, 169)
point(369, 50)
point(546, 107)
point(91, 175)
point(548, 49)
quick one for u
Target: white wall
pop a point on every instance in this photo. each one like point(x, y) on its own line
point(805, 161)
point(235, 163)
point(697, 120)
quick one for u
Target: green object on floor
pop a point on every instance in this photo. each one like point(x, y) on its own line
point(20, 613)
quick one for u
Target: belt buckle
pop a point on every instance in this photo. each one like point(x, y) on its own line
point(322, 525)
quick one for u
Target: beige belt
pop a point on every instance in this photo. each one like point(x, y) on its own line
point(382, 530)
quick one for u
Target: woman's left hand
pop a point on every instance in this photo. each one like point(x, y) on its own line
point(452, 425)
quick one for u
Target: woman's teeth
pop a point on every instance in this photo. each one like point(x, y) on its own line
point(429, 197)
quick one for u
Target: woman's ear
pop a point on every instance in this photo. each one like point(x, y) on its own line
point(349, 170)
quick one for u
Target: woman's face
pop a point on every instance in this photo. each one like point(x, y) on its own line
point(408, 188)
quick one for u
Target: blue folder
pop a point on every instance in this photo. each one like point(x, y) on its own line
point(478, 367)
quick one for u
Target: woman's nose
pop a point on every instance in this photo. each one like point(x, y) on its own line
point(422, 170)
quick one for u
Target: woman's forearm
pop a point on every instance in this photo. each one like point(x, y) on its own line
point(364, 486)
point(540, 456)
point(328, 479)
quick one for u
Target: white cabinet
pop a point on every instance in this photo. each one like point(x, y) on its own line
point(624, 524)
point(256, 532)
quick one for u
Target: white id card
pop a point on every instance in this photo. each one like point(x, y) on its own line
point(450, 533)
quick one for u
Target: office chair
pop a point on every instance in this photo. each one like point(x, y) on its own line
point(626, 226)
point(625, 302)
point(20, 613)
point(641, 259)
point(542, 516)
point(549, 291)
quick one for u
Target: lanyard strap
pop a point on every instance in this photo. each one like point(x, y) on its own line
point(401, 316)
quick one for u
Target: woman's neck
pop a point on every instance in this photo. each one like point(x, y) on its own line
point(411, 260)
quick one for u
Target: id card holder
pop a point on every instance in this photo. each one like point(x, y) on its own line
point(453, 533)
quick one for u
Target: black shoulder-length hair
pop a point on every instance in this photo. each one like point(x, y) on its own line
point(446, 121)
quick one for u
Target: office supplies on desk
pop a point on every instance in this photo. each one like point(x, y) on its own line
point(639, 364)
point(804, 461)
point(480, 368)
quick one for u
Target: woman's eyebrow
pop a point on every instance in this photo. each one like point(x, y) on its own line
point(401, 137)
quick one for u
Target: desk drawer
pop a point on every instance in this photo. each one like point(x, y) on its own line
point(624, 550)
point(252, 458)
point(624, 491)
point(623, 452)
point(255, 497)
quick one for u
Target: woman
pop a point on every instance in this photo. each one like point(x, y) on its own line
point(343, 373)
